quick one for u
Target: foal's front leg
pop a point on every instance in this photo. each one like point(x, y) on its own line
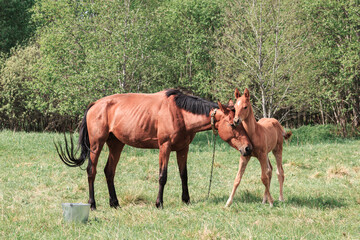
point(164, 155)
point(266, 172)
point(242, 166)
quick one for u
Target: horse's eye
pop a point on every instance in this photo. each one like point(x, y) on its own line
point(245, 107)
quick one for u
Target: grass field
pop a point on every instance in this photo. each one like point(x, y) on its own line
point(321, 190)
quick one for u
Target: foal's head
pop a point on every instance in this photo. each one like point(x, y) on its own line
point(234, 135)
point(242, 106)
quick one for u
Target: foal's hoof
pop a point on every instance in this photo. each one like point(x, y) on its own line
point(228, 203)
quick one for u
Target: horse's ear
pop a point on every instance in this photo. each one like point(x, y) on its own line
point(231, 103)
point(247, 93)
point(237, 93)
point(222, 107)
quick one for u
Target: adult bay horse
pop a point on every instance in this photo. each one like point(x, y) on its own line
point(266, 135)
point(167, 120)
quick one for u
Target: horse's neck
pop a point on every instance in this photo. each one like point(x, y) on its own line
point(250, 123)
point(196, 122)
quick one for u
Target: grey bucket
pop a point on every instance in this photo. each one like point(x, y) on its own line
point(76, 212)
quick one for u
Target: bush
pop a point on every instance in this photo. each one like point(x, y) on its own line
point(316, 134)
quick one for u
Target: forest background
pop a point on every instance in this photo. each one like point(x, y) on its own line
point(299, 58)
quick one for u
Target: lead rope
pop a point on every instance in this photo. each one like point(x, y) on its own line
point(214, 141)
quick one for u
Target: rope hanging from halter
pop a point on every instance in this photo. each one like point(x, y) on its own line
point(214, 141)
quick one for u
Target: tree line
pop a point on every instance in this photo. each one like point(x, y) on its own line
point(300, 59)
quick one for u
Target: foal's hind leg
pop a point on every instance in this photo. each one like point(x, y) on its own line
point(115, 148)
point(182, 160)
point(280, 171)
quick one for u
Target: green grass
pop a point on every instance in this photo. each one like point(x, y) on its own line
point(322, 194)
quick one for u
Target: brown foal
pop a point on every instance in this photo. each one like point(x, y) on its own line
point(266, 135)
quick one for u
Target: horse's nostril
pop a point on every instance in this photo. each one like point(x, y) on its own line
point(247, 149)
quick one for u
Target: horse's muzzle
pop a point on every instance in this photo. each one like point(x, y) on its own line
point(246, 151)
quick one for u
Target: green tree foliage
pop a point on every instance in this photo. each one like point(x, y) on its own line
point(15, 25)
point(336, 25)
point(16, 79)
point(183, 44)
point(300, 58)
point(262, 47)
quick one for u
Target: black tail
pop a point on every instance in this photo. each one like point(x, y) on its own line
point(68, 156)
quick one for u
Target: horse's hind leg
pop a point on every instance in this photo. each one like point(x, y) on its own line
point(182, 160)
point(115, 148)
point(95, 150)
point(280, 171)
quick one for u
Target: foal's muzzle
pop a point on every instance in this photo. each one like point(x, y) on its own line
point(237, 121)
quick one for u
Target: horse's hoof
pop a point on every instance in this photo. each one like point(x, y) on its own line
point(114, 204)
point(159, 205)
point(186, 200)
point(92, 206)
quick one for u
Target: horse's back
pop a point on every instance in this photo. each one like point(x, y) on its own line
point(131, 117)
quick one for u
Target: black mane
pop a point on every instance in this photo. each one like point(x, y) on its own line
point(191, 103)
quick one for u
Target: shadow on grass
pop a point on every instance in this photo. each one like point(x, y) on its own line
point(318, 202)
point(241, 196)
point(321, 202)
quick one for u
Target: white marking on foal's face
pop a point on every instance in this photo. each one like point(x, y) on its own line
point(239, 102)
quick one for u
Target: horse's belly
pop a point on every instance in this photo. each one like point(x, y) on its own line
point(142, 143)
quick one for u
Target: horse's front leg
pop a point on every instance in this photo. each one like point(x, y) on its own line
point(242, 166)
point(182, 160)
point(164, 155)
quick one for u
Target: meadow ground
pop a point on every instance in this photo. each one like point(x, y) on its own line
point(321, 190)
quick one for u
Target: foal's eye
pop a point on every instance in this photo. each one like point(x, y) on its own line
point(245, 107)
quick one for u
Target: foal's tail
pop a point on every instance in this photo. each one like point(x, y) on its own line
point(287, 135)
point(68, 157)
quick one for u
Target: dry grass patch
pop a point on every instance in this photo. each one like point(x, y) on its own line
point(337, 172)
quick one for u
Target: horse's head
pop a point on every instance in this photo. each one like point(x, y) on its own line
point(242, 106)
point(234, 135)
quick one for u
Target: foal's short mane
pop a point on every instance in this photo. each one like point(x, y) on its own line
point(191, 103)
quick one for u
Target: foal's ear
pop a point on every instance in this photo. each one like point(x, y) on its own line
point(247, 93)
point(237, 93)
point(222, 107)
point(230, 103)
